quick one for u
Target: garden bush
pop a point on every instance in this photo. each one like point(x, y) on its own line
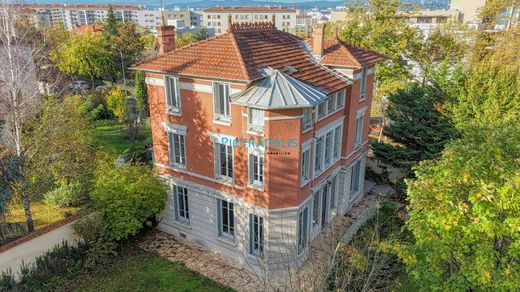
point(65, 195)
point(127, 197)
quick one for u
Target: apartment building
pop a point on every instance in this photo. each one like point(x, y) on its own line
point(262, 137)
point(75, 15)
point(216, 17)
point(184, 18)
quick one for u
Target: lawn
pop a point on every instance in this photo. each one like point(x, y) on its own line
point(112, 135)
point(43, 214)
point(139, 270)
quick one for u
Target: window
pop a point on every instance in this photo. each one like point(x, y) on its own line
point(318, 155)
point(424, 20)
point(321, 110)
point(359, 129)
point(354, 178)
point(256, 235)
point(224, 161)
point(303, 221)
point(332, 204)
point(256, 120)
point(307, 119)
point(331, 103)
point(173, 102)
point(256, 169)
point(182, 211)
point(328, 148)
point(316, 209)
point(226, 219)
point(177, 149)
point(221, 102)
point(306, 165)
point(340, 98)
point(363, 82)
point(337, 142)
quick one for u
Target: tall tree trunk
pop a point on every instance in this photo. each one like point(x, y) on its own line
point(27, 207)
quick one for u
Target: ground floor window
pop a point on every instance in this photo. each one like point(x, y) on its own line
point(303, 221)
point(182, 210)
point(354, 178)
point(226, 219)
point(256, 235)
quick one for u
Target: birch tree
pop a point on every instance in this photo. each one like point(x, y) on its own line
point(19, 96)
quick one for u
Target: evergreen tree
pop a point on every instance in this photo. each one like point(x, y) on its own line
point(110, 26)
point(141, 94)
point(416, 125)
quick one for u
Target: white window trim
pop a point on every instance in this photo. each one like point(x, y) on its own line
point(307, 223)
point(322, 133)
point(253, 184)
point(312, 111)
point(342, 92)
point(250, 233)
point(354, 194)
point(363, 83)
point(306, 147)
point(217, 161)
point(360, 113)
point(225, 237)
point(227, 120)
point(178, 130)
point(176, 111)
point(178, 217)
point(251, 128)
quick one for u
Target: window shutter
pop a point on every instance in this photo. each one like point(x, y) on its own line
point(175, 203)
point(251, 233)
point(251, 167)
point(219, 216)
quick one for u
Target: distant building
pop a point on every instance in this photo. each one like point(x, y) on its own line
point(72, 16)
point(468, 9)
point(217, 17)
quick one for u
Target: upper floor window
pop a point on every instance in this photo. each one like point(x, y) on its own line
point(306, 165)
point(363, 83)
point(255, 120)
point(222, 106)
point(322, 110)
point(223, 161)
point(359, 128)
point(256, 235)
point(332, 104)
point(182, 210)
point(256, 168)
point(327, 149)
point(307, 119)
point(226, 219)
point(172, 92)
point(176, 144)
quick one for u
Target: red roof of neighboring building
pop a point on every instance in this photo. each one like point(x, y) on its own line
point(240, 53)
point(336, 52)
point(249, 9)
point(94, 29)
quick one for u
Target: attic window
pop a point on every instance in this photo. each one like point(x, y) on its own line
point(291, 69)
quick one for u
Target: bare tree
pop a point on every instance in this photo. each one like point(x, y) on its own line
point(19, 95)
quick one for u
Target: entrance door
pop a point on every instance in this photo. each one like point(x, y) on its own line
point(324, 199)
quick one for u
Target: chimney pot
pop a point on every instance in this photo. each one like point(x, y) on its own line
point(318, 39)
point(166, 38)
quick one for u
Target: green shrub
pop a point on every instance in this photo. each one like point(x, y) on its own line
point(65, 195)
point(127, 196)
point(139, 152)
point(100, 245)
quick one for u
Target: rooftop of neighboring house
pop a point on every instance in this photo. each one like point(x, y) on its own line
point(94, 29)
point(250, 9)
point(339, 53)
point(244, 53)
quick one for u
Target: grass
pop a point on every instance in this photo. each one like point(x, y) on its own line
point(140, 270)
point(43, 214)
point(112, 135)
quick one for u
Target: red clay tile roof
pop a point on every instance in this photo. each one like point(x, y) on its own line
point(249, 9)
point(95, 29)
point(240, 54)
point(339, 53)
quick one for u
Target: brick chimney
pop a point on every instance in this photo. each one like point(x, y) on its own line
point(166, 38)
point(318, 38)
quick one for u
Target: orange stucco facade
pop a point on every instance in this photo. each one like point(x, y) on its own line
point(282, 166)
